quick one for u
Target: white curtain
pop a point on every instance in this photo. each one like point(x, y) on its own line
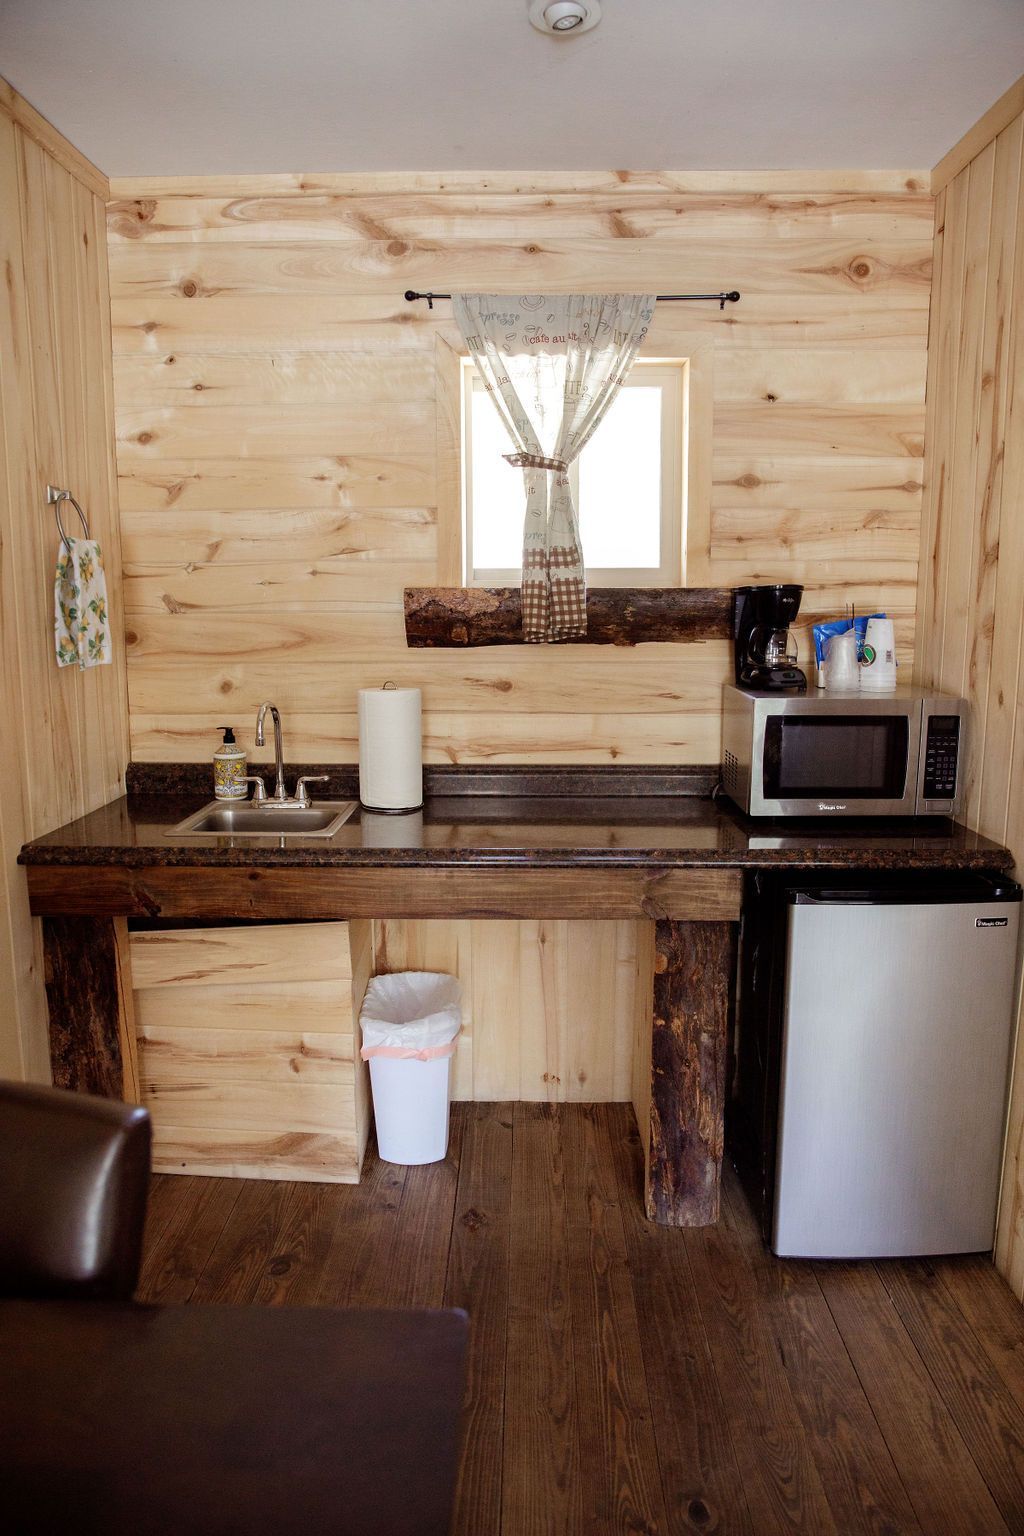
point(553, 364)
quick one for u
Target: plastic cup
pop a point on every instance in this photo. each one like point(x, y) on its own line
point(842, 674)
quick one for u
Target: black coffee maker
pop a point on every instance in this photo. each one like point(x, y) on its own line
point(765, 650)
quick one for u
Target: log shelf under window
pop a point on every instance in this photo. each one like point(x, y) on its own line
point(472, 616)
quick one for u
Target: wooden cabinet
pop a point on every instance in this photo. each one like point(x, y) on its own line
point(247, 1053)
point(221, 1125)
point(247, 1041)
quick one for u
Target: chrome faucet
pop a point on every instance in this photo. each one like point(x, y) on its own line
point(280, 793)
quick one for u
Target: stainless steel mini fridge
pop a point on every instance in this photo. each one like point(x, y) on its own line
point(897, 1015)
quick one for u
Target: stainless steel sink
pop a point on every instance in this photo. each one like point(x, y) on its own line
point(245, 819)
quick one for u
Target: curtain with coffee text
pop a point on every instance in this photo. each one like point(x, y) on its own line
point(552, 364)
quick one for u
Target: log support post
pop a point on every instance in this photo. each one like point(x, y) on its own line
point(89, 998)
point(693, 988)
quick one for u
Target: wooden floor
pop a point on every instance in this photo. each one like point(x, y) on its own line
point(625, 1378)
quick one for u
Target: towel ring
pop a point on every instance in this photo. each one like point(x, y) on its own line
point(54, 497)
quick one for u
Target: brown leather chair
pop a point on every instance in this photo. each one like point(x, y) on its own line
point(74, 1172)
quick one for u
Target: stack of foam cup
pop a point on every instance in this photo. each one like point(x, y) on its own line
point(878, 663)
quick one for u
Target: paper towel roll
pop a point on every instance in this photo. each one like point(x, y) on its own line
point(390, 749)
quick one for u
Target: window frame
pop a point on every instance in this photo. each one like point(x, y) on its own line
point(696, 352)
point(670, 374)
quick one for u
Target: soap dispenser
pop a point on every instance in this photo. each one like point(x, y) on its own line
point(229, 781)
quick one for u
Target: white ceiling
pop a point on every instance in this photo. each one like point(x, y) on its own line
point(200, 87)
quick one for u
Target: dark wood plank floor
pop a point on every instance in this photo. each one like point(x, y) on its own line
point(626, 1378)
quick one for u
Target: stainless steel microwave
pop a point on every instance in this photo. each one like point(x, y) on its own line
point(844, 754)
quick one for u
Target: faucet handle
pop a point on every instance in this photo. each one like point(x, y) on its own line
point(259, 794)
point(301, 793)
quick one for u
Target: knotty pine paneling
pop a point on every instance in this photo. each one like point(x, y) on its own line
point(63, 747)
point(248, 1049)
point(327, 323)
point(337, 268)
point(971, 591)
point(482, 213)
point(285, 442)
point(551, 1010)
point(674, 184)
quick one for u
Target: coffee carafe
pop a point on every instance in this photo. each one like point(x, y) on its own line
point(765, 651)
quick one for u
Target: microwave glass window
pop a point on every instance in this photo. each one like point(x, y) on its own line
point(853, 757)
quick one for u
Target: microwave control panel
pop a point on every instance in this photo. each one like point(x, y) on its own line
point(942, 750)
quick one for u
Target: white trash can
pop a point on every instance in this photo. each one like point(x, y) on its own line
point(410, 1023)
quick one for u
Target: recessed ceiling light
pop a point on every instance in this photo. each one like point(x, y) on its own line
point(560, 17)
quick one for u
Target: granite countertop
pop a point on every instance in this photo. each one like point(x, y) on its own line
point(496, 818)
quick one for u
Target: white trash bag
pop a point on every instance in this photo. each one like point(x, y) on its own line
point(410, 1024)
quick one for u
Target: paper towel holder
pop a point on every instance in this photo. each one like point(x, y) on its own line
point(390, 810)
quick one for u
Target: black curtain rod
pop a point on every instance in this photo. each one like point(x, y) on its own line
point(662, 298)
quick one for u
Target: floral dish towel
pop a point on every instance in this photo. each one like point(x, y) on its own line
point(81, 624)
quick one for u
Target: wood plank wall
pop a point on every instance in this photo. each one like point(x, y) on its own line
point(971, 595)
point(248, 1049)
point(551, 1011)
point(287, 441)
point(285, 436)
point(63, 736)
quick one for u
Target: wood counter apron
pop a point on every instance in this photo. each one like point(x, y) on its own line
point(678, 1094)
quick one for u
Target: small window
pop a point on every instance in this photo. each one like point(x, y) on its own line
point(634, 464)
